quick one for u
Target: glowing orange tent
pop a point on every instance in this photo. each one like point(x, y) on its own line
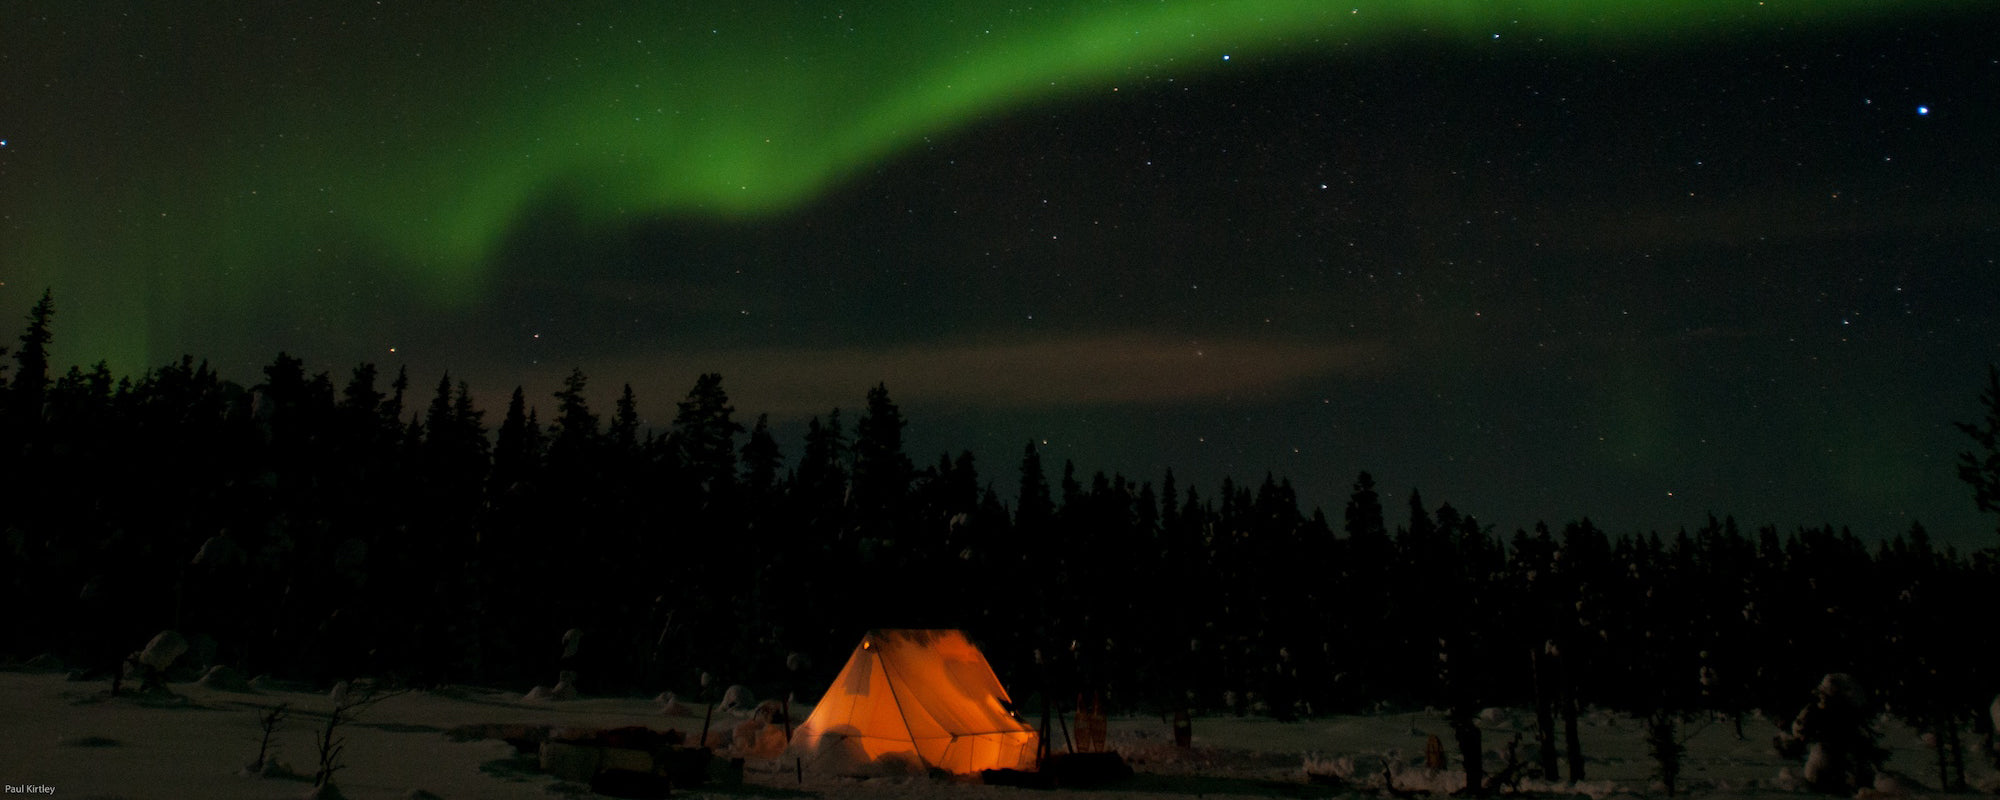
point(917, 699)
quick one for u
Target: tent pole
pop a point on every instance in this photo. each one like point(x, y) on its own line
point(1042, 742)
point(705, 717)
point(1067, 742)
point(798, 761)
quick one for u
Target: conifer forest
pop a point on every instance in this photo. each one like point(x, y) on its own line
point(323, 526)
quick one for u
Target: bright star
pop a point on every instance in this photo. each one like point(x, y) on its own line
point(1922, 111)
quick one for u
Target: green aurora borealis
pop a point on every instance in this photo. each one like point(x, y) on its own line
point(166, 157)
point(1636, 259)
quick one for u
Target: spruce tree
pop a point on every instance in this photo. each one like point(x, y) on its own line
point(1365, 585)
point(1979, 467)
point(29, 385)
point(624, 430)
point(392, 408)
point(706, 437)
point(822, 475)
point(1033, 509)
point(576, 425)
point(1366, 527)
point(962, 483)
point(881, 470)
point(441, 432)
point(514, 457)
point(360, 395)
point(470, 421)
point(761, 460)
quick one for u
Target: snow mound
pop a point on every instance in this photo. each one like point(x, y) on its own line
point(325, 791)
point(46, 662)
point(769, 712)
point(561, 691)
point(672, 706)
point(266, 683)
point(1328, 769)
point(838, 752)
point(755, 738)
point(1788, 781)
point(1885, 786)
point(736, 699)
point(161, 652)
point(218, 551)
point(224, 679)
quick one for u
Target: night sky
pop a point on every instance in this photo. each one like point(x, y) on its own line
point(1633, 261)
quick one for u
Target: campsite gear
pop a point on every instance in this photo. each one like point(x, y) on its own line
point(1091, 725)
point(924, 698)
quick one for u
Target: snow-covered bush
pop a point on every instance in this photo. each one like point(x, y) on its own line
point(671, 705)
point(737, 698)
point(224, 679)
point(563, 690)
point(757, 738)
point(1338, 770)
point(1836, 735)
point(149, 666)
point(162, 651)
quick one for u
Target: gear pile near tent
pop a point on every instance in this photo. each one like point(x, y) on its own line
point(915, 699)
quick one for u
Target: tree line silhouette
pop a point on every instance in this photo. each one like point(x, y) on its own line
point(321, 530)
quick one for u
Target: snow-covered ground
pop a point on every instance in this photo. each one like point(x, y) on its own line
point(72, 739)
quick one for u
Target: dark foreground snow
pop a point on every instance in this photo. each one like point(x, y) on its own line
point(70, 738)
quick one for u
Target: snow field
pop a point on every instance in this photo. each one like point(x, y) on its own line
point(70, 737)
